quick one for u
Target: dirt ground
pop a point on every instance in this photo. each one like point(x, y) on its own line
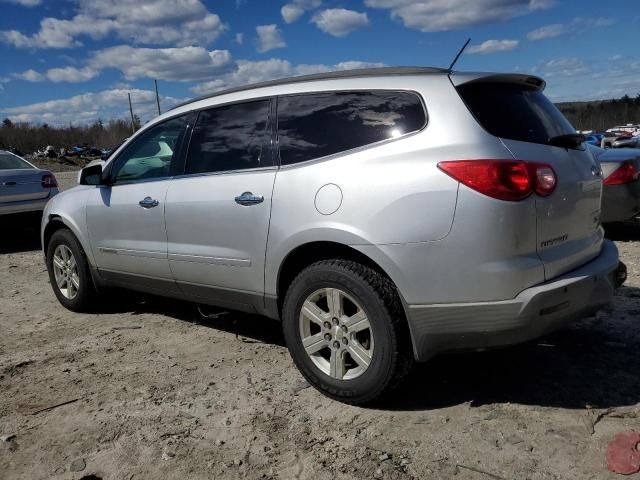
point(155, 391)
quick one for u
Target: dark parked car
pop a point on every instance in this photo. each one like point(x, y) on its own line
point(594, 139)
point(621, 173)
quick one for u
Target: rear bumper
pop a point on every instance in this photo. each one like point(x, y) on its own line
point(532, 313)
point(27, 205)
point(620, 202)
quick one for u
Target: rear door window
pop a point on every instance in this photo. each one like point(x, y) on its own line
point(230, 137)
point(12, 162)
point(514, 112)
point(319, 124)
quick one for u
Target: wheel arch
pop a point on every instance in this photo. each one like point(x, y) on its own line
point(56, 222)
point(308, 253)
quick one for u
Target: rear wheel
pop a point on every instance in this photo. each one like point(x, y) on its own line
point(69, 272)
point(345, 329)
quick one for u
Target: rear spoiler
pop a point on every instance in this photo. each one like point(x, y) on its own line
point(530, 81)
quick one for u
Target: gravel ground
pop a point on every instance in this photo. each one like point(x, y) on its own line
point(152, 390)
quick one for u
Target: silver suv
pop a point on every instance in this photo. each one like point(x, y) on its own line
point(383, 215)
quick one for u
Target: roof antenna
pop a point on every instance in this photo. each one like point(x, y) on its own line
point(459, 53)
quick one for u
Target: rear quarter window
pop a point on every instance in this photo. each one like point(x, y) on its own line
point(515, 112)
point(319, 124)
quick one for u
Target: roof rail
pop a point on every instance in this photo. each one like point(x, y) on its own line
point(361, 72)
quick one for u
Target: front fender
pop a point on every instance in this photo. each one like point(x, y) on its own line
point(70, 209)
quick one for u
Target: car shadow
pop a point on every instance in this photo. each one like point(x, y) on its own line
point(21, 232)
point(623, 231)
point(252, 328)
point(593, 362)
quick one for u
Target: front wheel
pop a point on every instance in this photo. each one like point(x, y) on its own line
point(69, 272)
point(345, 329)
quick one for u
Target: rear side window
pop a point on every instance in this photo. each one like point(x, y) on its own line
point(230, 138)
point(515, 112)
point(320, 124)
point(10, 162)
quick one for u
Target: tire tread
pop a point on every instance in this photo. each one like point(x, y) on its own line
point(402, 352)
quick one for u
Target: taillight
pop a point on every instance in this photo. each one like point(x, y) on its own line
point(545, 178)
point(48, 181)
point(625, 173)
point(503, 179)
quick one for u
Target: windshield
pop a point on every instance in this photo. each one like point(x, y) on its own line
point(11, 162)
point(515, 112)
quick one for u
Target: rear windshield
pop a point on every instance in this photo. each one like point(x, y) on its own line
point(515, 112)
point(11, 162)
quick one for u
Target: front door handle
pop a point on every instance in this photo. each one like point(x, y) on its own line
point(248, 198)
point(148, 202)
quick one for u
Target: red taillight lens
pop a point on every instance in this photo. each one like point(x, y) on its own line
point(49, 181)
point(503, 179)
point(625, 173)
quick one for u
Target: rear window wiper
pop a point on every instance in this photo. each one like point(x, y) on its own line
point(569, 140)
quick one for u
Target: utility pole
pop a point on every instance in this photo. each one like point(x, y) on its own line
point(133, 125)
point(157, 96)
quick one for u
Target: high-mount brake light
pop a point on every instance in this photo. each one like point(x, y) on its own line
point(509, 180)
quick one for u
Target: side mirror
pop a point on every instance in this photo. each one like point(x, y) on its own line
point(91, 175)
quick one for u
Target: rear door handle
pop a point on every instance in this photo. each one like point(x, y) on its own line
point(148, 202)
point(248, 198)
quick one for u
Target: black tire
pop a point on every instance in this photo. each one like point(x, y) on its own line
point(392, 357)
point(84, 300)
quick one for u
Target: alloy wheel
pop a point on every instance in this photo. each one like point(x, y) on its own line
point(336, 333)
point(65, 270)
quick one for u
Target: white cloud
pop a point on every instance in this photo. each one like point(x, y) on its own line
point(548, 31)
point(85, 108)
point(30, 76)
point(563, 67)
point(183, 64)
point(576, 25)
point(239, 38)
point(247, 72)
point(209, 87)
point(186, 64)
point(25, 3)
point(340, 22)
point(178, 22)
point(493, 46)
point(443, 15)
point(71, 74)
point(291, 12)
point(269, 38)
point(571, 78)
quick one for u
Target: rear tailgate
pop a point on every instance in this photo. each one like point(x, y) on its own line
point(513, 108)
point(22, 185)
point(568, 221)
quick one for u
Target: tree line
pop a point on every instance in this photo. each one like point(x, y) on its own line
point(27, 138)
point(600, 115)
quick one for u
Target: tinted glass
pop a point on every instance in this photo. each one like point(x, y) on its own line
point(515, 112)
point(315, 125)
point(150, 155)
point(9, 162)
point(229, 138)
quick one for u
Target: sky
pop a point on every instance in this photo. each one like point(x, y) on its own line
point(74, 61)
